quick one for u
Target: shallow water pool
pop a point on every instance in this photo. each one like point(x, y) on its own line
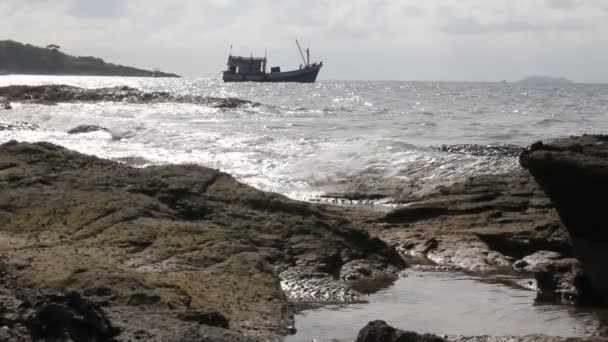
point(450, 304)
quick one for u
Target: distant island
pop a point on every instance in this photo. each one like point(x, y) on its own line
point(545, 80)
point(18, 58)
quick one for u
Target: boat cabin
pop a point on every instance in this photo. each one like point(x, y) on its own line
point(246, 65)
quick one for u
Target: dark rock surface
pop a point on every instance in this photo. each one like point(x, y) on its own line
point(574, 173)
point(56, 317)
point(53, 94)
point(379, 331)
point(483, 224)
point(87, 129)
point(173, 253)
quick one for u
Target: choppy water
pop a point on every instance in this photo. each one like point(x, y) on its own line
point(306, 136)
point(447, 304)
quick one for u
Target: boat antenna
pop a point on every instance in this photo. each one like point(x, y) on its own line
point(230, 49)
point(301, 53)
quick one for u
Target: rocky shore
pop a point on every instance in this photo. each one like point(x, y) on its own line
point(503, 226)
point(53, 94)
point(97, 249)
point(92, 249)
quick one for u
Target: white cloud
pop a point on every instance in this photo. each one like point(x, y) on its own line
point(373, 39)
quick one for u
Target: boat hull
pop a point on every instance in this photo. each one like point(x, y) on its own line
point(305, 75)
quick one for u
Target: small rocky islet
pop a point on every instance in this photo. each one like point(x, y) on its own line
point(53, 94)
point(96, 250)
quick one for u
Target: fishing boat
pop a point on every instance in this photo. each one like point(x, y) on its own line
point(253, 69)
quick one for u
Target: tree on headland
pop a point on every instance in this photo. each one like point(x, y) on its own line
point(53, 47)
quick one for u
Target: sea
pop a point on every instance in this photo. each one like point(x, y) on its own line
point(304, 138)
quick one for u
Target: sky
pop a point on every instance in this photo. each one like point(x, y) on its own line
point(438, 40)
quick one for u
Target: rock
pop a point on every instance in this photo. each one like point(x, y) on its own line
point(565, 281)
point(47, 316)
point(557, 279)
point(483, 224)
point(168, 251)
point(574, 173)
point(379, 331)
point(53, 94)
point(538, 261)
point(87, 129)
point(206, 317)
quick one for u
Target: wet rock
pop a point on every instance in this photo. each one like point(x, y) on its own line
point(87, 129)
point(508, 151)
point(483, 224)
point(574, 173)
point(303, 284)
point(538, 261)
point(379, 331)
point(557, 279)
point(53, 94)
point(565, 281)
point(162, 248)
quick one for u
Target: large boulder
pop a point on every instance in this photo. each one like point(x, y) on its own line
point(574, 173)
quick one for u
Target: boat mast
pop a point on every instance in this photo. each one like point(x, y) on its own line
point(265, 60)
point(307, 56)
point(302, 53)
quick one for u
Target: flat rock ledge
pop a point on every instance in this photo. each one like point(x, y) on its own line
point(574, 173)
point(166, 253)
point(53, 94)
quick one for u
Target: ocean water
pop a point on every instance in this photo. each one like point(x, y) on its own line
point(305, 138)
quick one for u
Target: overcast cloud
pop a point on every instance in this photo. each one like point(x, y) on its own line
point(480, 40)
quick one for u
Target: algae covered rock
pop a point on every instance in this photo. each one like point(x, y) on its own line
point(168, 250)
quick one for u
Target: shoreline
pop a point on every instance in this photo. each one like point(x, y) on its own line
point(142, 251)
point(310, 278)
